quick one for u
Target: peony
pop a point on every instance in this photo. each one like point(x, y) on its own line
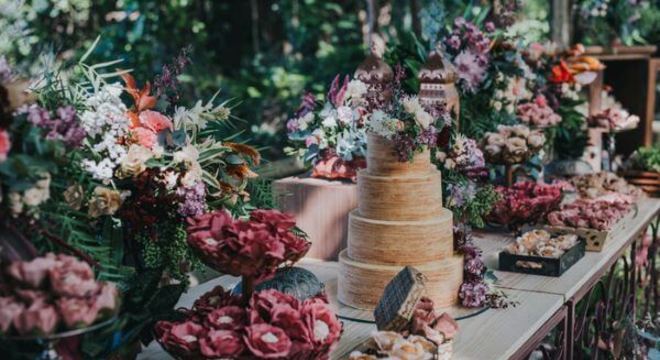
point(10, 309)
point(222, 344)
point(267, 341)
point(40, 318)
point(5, 145)
point(72, 277)
point(32, 272)
point(104, 201)
point(77, 312)
point(536, 140)
point(227, 318)
point(155, 121)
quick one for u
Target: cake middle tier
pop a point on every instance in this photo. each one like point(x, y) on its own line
point(415, 197)
point(400, 242)
point(362, 284)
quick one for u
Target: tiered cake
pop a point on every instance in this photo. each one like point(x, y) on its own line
point(399, 222)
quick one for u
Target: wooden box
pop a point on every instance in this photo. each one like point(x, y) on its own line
point(596, 239)
point(321, 209)
point(548, 266)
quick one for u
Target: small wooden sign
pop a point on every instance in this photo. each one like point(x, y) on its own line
point(397, 304)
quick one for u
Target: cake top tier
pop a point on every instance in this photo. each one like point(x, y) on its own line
point(382, 159)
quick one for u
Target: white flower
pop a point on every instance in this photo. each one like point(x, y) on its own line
point(345, 114)
point(35, 196)
point(411, 105)
point(355, 90)
point(15, 203)
point(423, 118)
point(102, 170)
point(380, 124)
point(171, 178)
point(497, 105)
point(305, 121)
point(187, 155)
point(330, 122)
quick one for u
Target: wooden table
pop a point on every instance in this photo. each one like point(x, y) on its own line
point(543, 302)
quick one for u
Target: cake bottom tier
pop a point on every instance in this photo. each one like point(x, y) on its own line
point(361, 284)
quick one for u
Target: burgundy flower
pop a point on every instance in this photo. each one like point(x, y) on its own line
point(214, 299)
point(10, 309)
point(267, 342)
point(180, 339)
point(222, 344)
point(473, 294)
point(227, 318)
point(264, 302)
point(40, 318)
point(274, 217)
point(77, 312)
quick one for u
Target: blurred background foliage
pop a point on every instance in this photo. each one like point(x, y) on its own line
point(263, 53)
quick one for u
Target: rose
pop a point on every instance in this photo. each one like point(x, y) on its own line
point(10, 309)
point(521, 131)
point(72, 277)
point(104, 201)
point(5, 145)
point(222, 344)
point(77, 312)
point(40, 318)
point(494, 139)
point(182, 338)
point(134, 163)
point(73, 196)
point(107, 298)
point(155, 121)
point(227, 318)
point(267, 341)
point(32, 272)
point(515, 150)
point(536, 140)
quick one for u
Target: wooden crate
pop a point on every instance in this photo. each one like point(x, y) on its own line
point(596, 239)
point(321, 209)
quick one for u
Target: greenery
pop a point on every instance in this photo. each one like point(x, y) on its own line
point(645, 159)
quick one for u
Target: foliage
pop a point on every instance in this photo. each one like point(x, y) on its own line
point(570, 138)
point(645, 159)
point(604, 22)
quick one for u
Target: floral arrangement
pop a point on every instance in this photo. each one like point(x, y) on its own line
point(252, 248)
point(464, 156)
point(273, 326)
point(51, 294)
point(614, 119)
point(333, 138)
point(427, 335)
point(644, 159)
point(594, 186)
point(512, 144)
point(592, 214)
point(542, 243)
point(525, 202)
point(471, 48)
point(537, 113)
point(410, 125)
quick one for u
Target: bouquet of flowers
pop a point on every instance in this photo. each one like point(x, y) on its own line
point(333, 138)
point(273, 325)
point(524, 202)
point(53, 293)
point(593, 214)
point(537, 113)
point(512, 144)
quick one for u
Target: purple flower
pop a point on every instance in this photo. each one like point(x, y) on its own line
point(473, 294)
point(454, 42)
point(429, 137)
point(471, 69)
point(404, 146)
point(490, 26)
point(307, 104)
point(292, 125)
point(475, 266)
point(193, 200)
point(64, 127)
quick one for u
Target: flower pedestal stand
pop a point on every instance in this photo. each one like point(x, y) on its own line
point(321, 209)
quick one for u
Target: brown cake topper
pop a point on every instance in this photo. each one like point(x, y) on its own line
point(376, 74)
point(438, 83)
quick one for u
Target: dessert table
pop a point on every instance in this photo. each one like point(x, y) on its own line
point(543, 303)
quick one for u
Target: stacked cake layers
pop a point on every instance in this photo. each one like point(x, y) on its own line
point(399, 222)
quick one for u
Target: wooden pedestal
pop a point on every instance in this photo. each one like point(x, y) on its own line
point(321, 209)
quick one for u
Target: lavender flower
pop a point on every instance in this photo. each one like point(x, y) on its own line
point(474, 266)
point(193, 199)
point(471, 69)
point(428, 136)
point(64, 127)
point(168, 79)
point(473, 294)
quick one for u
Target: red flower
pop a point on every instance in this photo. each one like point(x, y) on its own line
point(155, 121)
point(561, 73)
point(222, 344)
point(40, 319)
point(267, 341)
point(227, 318)
point(5, 145)
point(180, 339)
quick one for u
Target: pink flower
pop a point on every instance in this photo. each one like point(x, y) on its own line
point(144, 137)
point(72, 277)
point(32, 272)
point(5, 145)
point(40, 318)
point(155, 121)
point(29, 296)
point(267, 341)
point(222, 344)
point(10, 309)
point(471, 69)
point(263, 304)
point(180, 339)
point(227, 318)
point(107, 298)
point(324, 327)
point(77, 312)
point(216, 298)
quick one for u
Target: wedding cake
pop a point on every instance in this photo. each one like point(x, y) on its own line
point(399, 222)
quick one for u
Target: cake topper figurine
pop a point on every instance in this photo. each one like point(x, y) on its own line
point(437, 83)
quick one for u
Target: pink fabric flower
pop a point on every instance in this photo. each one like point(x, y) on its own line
point(267, 341)
point(222, 344)
point(76, 312)
point(10, 309)
point(216, 298)
point(155, 121)
point(324, 327)
point(107, 298)
point(180, 339)
point(39, 318)
point(5, 145)
point(263, 304)
point(537, 113)
point(72, 277)
point(227, 318)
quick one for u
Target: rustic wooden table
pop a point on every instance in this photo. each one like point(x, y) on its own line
point(543, 302)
